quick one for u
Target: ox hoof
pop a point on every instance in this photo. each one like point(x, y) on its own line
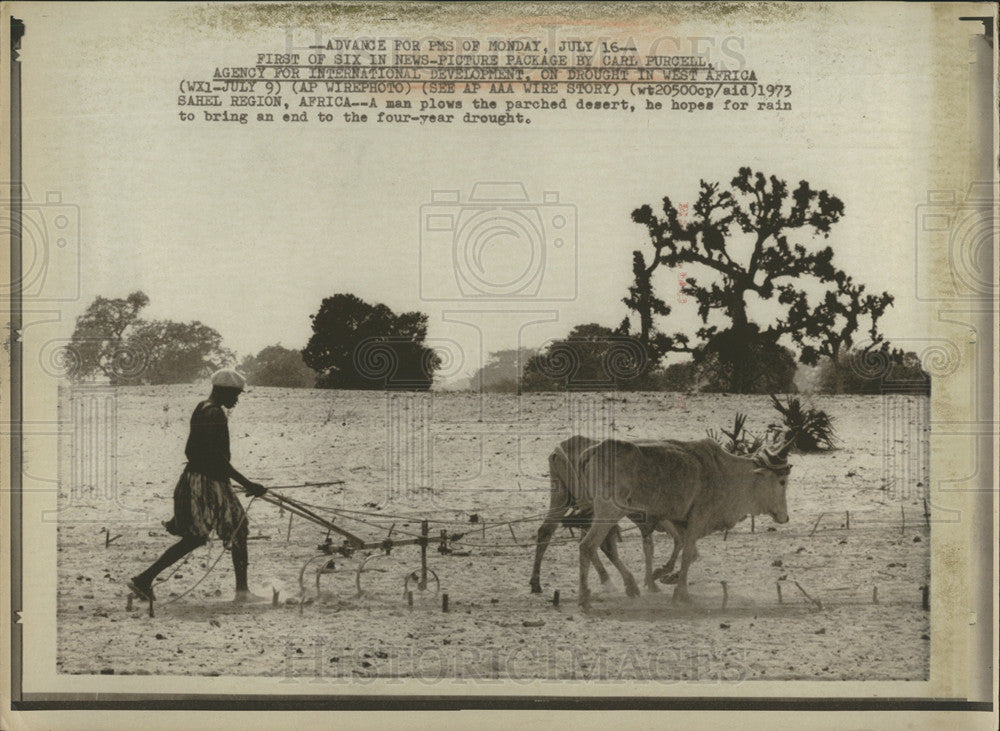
point(669, 579)
point(665, 570)
point(536, 588)
point(681, 597)
point(652, 587)
point(632, 590)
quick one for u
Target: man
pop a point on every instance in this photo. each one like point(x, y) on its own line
point(203, 499)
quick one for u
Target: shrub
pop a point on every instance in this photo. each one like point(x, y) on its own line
point(812, 429)
point(738, 440)
point(861, 371)
point(278, 366)
point(675, 377)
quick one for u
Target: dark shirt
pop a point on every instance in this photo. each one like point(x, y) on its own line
point(207, 447)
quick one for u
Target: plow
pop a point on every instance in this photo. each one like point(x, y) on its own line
point(354, 548)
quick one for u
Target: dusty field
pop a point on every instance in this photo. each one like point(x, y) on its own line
point(444, 457)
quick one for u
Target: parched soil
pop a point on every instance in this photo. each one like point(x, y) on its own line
point(476, 467)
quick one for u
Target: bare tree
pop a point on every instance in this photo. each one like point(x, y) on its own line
point(754, 239)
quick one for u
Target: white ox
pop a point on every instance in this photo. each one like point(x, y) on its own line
point(566, 493)
point(688, 488)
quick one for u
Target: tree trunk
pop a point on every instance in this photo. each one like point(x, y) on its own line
point(739, 377)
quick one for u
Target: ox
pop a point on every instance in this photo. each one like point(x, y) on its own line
point(690, 489)
point(566, 493)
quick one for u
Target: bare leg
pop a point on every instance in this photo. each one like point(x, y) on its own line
point(241, 562)
point(665, 572)
point(588, 553)
point(607, 548)
point(667, 569)
point(241, 558)
point(647, 552)
point(690, 553)
point(558, 505)
point(144, 581)
point(631, 588)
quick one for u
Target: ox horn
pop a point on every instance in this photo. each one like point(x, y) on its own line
point(782, 451)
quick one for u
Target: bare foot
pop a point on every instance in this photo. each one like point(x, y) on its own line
point(243, 596)
point(141, 589)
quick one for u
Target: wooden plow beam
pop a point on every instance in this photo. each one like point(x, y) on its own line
point(356, 542)
point(297, 508)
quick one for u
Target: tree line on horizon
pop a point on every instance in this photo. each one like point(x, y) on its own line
point(355, 345)
point(741, 244)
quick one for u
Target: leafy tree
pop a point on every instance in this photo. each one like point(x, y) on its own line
point(98, 341)
point(750, 241)
point(591, 357)
point(111, 340)
point(162, 351)
point(503, 370)
point(278, 366)
point(356, 345)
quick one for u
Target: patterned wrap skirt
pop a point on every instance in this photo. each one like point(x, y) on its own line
point(203, 504)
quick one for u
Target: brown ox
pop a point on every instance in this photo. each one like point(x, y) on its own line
point(689, 488)
point(566, 493)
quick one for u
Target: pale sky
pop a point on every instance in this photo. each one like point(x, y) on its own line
point(248, 227)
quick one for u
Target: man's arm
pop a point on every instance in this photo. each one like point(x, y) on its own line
point(218, 429)
point(252, 488)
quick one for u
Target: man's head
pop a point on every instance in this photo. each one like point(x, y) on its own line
point(227, 385)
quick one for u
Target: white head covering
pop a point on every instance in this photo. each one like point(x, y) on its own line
point(228, 378)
